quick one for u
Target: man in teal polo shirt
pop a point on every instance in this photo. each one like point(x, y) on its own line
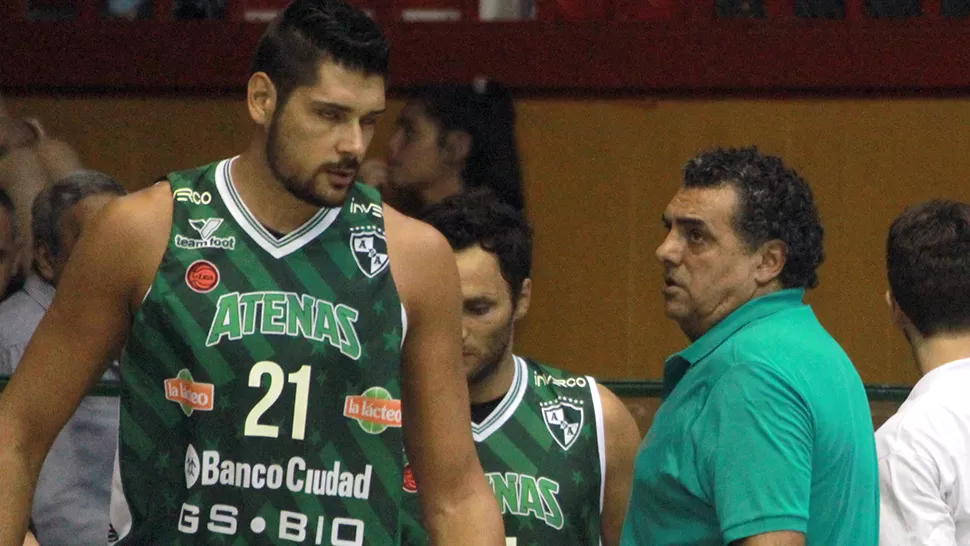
point(765, 434)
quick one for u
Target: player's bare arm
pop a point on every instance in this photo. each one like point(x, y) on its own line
point(110, 270)
point(779, 538)
point(622, 442)
point(457, 504)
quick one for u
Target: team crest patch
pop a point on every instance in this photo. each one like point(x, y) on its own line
point(564, 420)
point(370, 250)
point(202, 276)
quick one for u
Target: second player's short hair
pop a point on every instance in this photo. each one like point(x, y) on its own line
point(477, 217)
point(928, 262)
point(774, 202)
point(54, 201)
point(310, 31)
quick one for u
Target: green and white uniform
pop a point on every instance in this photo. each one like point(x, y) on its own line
point(261, 393)
point(543, 452)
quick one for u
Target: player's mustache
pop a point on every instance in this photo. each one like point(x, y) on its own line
point(345, 164)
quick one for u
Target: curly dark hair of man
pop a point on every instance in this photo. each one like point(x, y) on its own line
point(774, 202)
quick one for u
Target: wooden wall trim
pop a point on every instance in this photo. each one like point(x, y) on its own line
point(747, 57)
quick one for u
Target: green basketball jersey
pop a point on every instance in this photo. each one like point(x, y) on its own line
point(542, 450)
point(261, 393)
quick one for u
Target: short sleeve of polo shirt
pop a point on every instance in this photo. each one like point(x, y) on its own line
point(754, 437)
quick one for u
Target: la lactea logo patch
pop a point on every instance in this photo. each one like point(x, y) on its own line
point(370, 249)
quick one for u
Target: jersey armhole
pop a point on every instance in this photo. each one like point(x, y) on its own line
point(600, 435)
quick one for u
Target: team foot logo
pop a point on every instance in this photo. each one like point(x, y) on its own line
point(564, 420)
point(205, 228)
point(192, 396)
point(375, 410)
point(410, 484)
point(202, 276)
point(370, 250)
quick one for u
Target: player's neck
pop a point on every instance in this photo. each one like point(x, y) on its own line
point(264, 195)
point(933, 352)
point(497, 383)
point(442, 189)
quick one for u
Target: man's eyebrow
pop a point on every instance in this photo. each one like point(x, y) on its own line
point(342, 107)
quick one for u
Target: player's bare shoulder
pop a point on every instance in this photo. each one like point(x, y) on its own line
point(617, 416)
point(418, 253)
point(132, 233)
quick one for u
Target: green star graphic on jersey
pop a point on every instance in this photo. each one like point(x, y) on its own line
point(540, 452)
point(392, 340)
point(238, 371)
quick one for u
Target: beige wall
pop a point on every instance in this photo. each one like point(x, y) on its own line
point(599, 173)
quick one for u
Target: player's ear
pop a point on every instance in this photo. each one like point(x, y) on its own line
point(44, 263)
point(261, 98)
point(525, 299)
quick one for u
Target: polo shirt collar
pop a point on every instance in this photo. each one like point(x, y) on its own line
point(40, 290)
point(676, 365)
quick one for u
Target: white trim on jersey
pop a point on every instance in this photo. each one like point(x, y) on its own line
point(506, 408)
point(119, 514)
point(600, 436)
point(277, 248)
point(404, 324)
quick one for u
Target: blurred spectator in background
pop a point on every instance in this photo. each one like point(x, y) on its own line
point(29, 161)
point(73, 490)
point(450, 137)
point(10, 250)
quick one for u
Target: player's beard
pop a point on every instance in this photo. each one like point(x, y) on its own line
point(301, 189)
point(499, 344)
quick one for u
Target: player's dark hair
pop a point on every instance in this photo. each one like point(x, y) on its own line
point(54, 201)
point(486, 112)
point(309, 31)
point(478, 217)
point(774, 202)
point(7, 203)
point(928, 261)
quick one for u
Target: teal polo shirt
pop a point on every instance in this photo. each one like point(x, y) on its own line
point(765, 427)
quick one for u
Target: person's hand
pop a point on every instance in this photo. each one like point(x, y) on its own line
point(373, 172)
point(30, 540)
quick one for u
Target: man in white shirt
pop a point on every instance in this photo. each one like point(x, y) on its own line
point(924, 450)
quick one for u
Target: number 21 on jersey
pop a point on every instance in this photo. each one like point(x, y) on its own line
point(300, 377)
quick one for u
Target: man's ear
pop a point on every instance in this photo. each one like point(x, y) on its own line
point(44, 263)
point(900, 320)
point(524, 301)
point(261, 98)
point(458, 145)
point(774, 255)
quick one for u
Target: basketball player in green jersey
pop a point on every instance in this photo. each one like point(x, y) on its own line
point(281, 332)
point(557, 448)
